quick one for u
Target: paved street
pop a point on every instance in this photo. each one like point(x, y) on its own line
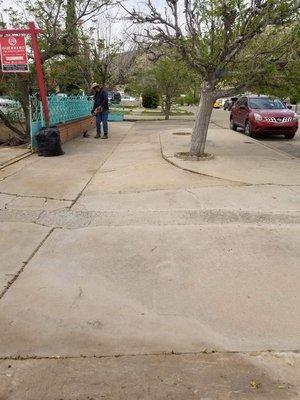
point(129, 274)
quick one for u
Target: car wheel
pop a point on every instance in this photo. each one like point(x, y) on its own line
point(248, 130)
point(233, 126)
point(289, 135)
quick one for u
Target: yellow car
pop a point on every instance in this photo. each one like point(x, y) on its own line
point(217, 104)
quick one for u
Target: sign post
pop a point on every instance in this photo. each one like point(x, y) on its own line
point(13, 57)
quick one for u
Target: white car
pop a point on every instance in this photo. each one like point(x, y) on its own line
point(7, 104)
point(126, 97)
point(129, 101)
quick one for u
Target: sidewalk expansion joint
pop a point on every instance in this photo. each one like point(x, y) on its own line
point(70, 219)
point(15, 172)
point(16, 159)
point(24, 264)
point(100, 166)
point(213, 352)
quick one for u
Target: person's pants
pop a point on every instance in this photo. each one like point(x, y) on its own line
point(102, 117)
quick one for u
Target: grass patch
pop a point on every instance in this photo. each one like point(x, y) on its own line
point(120, 110)
point(182, 112)
point(148, 112)
point(173, 113)
point(131, 107)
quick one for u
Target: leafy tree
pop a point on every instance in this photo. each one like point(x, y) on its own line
point(170, 78)
point(65, 75)
point(16, 87)
point(150, 98)
point(277, 51)
point(210, 35)
point(62, 22)
point(104, 55)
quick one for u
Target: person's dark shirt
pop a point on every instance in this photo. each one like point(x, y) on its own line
point(100, 100)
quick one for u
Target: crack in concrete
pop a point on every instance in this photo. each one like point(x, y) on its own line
point(7, 203)
point(215, 352)
point(24, 264)
point(190, 191)
point(32, 196)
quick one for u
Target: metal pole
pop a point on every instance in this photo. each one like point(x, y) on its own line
point(39, 71)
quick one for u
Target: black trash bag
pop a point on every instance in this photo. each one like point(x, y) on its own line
point(48, 141)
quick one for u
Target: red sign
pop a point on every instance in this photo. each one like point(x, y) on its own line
point(13, 54)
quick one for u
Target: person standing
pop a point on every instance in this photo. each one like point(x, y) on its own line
point(100, 110)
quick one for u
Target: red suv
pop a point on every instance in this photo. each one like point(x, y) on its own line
point(262, 114)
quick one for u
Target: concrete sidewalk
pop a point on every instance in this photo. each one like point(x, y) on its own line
point(236, 158)
point(125, 277)
point(59, 180)
point(220, 119)
point(11, 154)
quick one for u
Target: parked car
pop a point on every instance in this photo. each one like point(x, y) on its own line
point(262, 115)
point(116, 99)
point(229, 103)
point(8, 104)
point(110, 96)
point(226, 104)
point(128, 98)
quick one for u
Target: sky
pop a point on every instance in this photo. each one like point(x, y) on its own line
point(110, 22)
point(110, 18)
point(113, 18)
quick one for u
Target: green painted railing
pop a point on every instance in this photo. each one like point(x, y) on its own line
point(66, 108)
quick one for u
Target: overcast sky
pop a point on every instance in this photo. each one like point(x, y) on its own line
point(109, 20)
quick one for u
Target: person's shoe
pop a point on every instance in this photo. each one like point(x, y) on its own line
point(97, 136)
point(105, 137)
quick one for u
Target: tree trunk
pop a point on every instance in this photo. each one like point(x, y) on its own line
point(167, 108)
point(18, 133)
point(71, 38)
point(23, 84)
point(204, 112)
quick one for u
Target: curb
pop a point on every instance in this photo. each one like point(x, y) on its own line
point(155, 119)
point(239, 183)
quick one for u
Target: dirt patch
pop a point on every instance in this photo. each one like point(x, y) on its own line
point(186, 156)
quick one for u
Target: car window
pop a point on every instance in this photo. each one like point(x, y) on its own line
point(242, 101)
point(265, 103)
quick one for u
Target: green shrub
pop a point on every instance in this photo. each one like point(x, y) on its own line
point(150, 98)
point(181, 100)
point(191, 100)
point(188, 99)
